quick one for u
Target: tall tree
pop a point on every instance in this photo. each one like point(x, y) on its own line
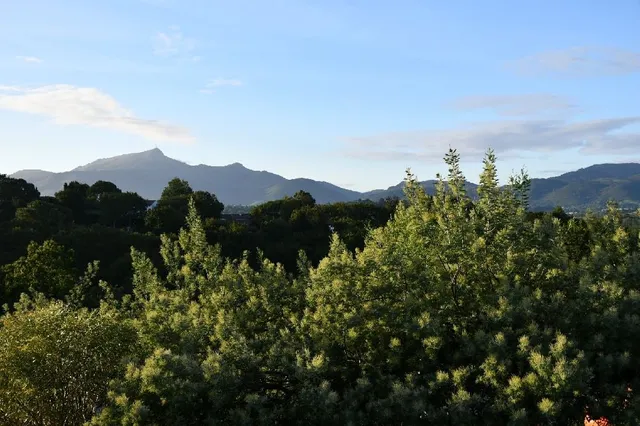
point(170, 212)
point(15, 193)
point(121, 209)
point(208, 205)
point(103, 187)
point(56, 362)
point(75, 196)
point(47, 268)
point(44, 217)
point(176, 188)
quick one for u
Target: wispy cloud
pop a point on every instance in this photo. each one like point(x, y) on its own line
point(70, 105)
point(210, 87)
point(517, 105)
point(29, 59)
point(579, 62)
point(510, 139)
point(172, 43)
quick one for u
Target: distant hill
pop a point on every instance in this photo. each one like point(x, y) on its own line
point(148, 172)
point(428, 185)
point(590, 187)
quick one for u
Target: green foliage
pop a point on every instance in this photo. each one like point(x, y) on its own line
point(176, 188)
point(101, 188)
point(282, 209)
point(165, 217)
point(47, 268)
point(14, 193)
point(284, 227)
point(207, 204)
point(43, 217)
point(213, 325)
point(462, 308)
point(74, 196)
point(170, 213)
point(111, 248)
point(56, 362)
point(121, 209)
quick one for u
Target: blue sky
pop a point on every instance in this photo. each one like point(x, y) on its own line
point(347, 91)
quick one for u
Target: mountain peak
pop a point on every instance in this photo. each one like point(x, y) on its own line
point(155, 151)
point(150, 159)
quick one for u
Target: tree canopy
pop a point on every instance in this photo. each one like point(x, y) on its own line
point(15, 193)
point(452, 311)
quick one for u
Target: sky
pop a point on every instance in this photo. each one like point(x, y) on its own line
point(352, 92)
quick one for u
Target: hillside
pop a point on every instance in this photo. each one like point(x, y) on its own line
point(397, 190)
point(148, 172)
point(590, 187)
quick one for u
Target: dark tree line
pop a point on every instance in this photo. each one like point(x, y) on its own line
point(85, 223)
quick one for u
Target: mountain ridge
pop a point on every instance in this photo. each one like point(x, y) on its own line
point(147, 173)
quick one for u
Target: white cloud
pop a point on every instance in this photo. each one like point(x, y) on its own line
point(172, 42)
point(10, 89)
point(70, 105)
point(508, 138)
point(29, 59)
point(579, 62)
point(517, 105)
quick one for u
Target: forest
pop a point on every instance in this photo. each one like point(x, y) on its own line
point(440, 309)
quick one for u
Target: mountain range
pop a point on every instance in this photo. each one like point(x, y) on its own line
point(148, 172)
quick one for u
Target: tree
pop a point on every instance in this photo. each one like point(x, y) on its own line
point(459, 315)
point(47, 268)
point(305, 198)
point(56, 362)
point(121, 209)
point(170, 212)
point(44, 217)
point(207, 364)
point(282, 209)
point(208, 205)
point(453, 308)
point(102, 187)
point(15, 193)
point(75, 196)
point(164, 218)
point(176, 188)
point(111, 247)
point(560, 214)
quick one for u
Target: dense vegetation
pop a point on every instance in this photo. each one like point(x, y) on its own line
point(453, 311)
point(83, 224)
